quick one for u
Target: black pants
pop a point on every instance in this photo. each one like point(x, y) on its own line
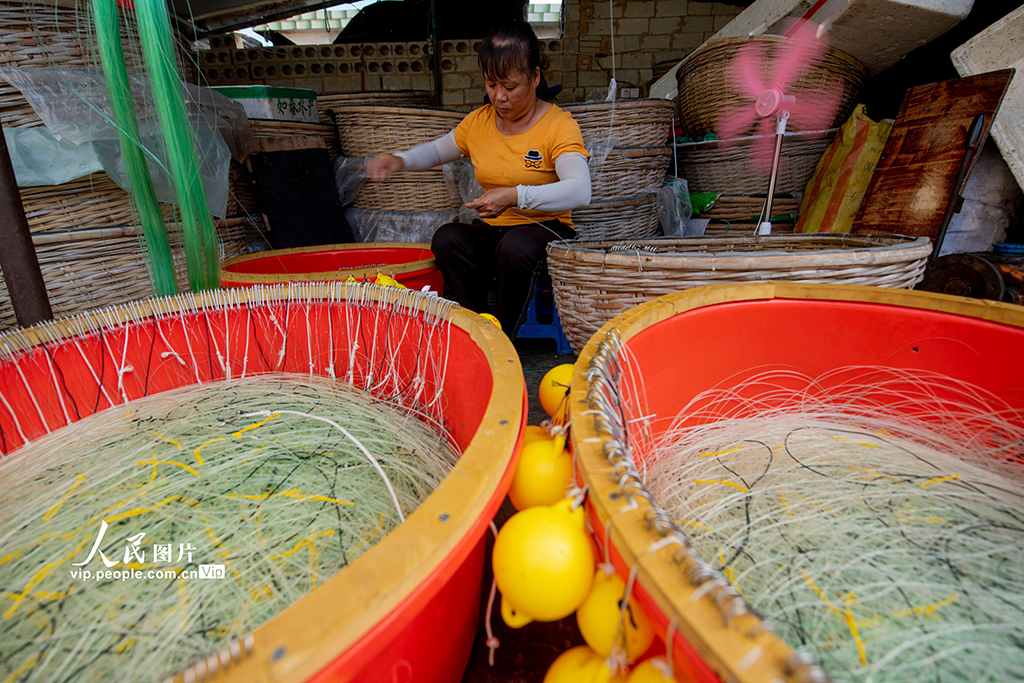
point(472, 255)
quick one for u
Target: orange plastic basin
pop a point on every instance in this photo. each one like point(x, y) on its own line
point(407, 609)
point(717, 337)
point(411, 264)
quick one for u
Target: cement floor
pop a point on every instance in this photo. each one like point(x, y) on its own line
point(525, 654)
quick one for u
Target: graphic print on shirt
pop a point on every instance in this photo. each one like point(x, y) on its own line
point(533, 158)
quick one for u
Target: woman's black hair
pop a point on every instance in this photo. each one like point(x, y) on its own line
point(512, 47)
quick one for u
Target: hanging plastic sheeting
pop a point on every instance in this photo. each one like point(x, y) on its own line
point(75, 106)
point(397, 226)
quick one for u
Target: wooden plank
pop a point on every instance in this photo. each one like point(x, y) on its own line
point(915, 177)
point(290, 143)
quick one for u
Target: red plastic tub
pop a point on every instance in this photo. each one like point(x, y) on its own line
point(717, 337)
point(411, 264)
point(406, 610)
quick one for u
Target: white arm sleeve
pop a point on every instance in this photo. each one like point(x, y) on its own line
point(570, 192)
point(430, 154)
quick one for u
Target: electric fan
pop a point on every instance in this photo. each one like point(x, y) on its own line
point(767, 82)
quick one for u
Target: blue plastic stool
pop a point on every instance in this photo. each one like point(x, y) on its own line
point(533, 329)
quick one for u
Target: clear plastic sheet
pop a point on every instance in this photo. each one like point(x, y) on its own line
point(397, 226)
point(674, 208)
point(74, 104)
point(39, 159)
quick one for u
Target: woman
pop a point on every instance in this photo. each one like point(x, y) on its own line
point(529, 157)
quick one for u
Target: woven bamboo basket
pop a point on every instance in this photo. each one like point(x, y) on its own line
point(737, 216)
point(730, 229)
point(706, 88)
point(747, 209)
point(241, 192)
point(628, 171)
point(265, 128)
point(90, 202)
point(595, 281)
point(409, 191)
point(59, 34)
point(94, 268)
point(393, 98)
point(629, 123)
point(365, 130)
point(632, 218)
point(723, 166)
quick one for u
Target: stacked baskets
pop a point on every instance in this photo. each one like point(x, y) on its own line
point(595, 281)
point(407, 198)
point(707, 88)
point(48, 34)
point(89, 252)
point(723, 167)
point(628, 162)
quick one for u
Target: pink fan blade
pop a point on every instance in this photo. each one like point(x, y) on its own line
point(735, 123)
point(799, 51)
point(764, 147)
point(746, 69)
point(816, 111)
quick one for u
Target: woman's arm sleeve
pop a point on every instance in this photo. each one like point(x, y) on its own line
point(570, 192)
point(430, 154)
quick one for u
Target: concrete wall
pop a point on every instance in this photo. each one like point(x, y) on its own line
point(646, 33)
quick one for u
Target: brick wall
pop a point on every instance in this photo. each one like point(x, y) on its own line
point(646, 32)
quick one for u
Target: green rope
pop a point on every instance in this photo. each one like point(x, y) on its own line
point(105, 18)
point(197, 224)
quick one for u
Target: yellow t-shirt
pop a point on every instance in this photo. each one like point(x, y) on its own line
point(524, 159)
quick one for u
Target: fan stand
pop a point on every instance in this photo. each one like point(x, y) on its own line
point(764, 223)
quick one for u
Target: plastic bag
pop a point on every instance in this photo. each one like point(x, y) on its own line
point(39, 159)
point(461, 179)
point(350, 176)
point(674, 208)
point(397, 226)
point(75, 106)
point(841, 177)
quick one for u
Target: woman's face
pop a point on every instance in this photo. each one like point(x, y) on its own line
point(514, 96)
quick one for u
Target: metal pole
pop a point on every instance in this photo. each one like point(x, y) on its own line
point(17, 254)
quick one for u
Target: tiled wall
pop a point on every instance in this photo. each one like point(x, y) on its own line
point(646, 32)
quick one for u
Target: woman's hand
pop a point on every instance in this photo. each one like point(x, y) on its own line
point(493, 202)
point(380, 166)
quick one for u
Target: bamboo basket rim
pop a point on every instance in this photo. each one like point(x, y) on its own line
point(864, 250)
point(618, 202)
point(639, 152)
point(298, 125)
point(597, 105)
point(636, 540)
point(348, 110)
point(88, 234)
point(791, 136)
point(373, 93)
point(719, 43)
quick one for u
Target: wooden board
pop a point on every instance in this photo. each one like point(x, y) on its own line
point(913, 182)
